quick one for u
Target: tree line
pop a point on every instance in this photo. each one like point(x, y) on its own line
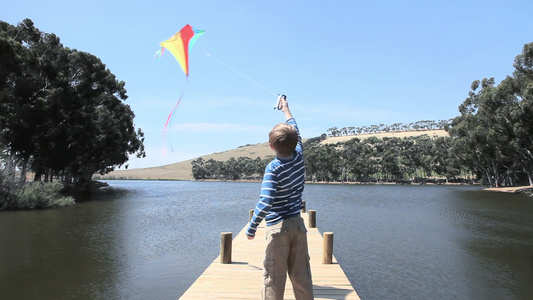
point(491, 142)
point(411, 159)
point(422, 125)
point(391, 159)
point(244, 168)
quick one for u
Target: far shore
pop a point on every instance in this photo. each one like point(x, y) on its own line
point(182, 171)
point(517, 189)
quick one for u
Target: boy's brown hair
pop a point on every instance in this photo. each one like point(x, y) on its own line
point(283, 139)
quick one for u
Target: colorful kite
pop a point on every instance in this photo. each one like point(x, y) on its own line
point(179, 45)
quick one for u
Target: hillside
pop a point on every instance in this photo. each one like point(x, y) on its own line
point(183, 170)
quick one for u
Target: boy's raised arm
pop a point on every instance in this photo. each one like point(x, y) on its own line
point(285, 108)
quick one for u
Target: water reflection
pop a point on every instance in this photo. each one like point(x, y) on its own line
point(500, 244)
point(50, 255)
point(430, 242)
point(151, 240)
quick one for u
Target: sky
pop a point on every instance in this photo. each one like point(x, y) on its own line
point(341, 63)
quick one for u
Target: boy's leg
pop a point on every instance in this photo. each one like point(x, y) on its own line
point(275, 263)
point(298, 264)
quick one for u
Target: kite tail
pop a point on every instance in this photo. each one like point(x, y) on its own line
point(159, 53)
point(168, 123)
point(169, 118)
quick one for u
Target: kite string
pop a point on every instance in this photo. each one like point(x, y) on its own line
point(241, 74)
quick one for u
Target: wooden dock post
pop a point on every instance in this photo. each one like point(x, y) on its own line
point(251, 214)
point(225, 247)
point(327, 252)
point(312, 219)
point(303, 206)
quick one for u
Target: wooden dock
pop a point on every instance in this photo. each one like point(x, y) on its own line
point(242, 279)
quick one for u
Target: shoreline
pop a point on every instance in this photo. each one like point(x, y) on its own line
point(512, 190)
point(528, 189)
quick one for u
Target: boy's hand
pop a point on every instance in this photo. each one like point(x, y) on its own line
point(284, 104)
point(250, 237)
point(285, 108)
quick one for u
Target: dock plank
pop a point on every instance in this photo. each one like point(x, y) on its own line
point(242, 279)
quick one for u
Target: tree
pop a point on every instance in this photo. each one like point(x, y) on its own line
point(523, 113)
point(333, 131)
point(441, 161)
point(493, 134)
point(359, 159)
point(62, 111)
point(199, 170)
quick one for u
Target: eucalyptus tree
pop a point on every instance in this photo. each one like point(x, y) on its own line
point(493, 134)
point(391, 164)
point(323, 162)
point(442, 163)
point(407, 156)
point(472, 144)
point(332, 161)
point(199, 170)
point(424, 153)
point(311, 162)
point(247, 167)
point(523, 113)
point(359, 159)
point(334, 131)
point(214, 169)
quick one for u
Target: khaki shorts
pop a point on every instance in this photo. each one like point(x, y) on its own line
point(287, 253)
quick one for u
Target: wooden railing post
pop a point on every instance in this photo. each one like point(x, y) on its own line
point(303, 206)
point(225, 247)
point(327, 255)
point(312, 218)
point(251, 214)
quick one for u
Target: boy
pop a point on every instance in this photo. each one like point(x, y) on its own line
point(279, 204)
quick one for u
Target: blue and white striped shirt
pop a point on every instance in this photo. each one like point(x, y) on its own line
point(282, 187)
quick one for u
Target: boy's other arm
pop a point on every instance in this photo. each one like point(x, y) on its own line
point(266, 199)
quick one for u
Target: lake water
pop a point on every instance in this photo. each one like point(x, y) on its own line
point(152, 239)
